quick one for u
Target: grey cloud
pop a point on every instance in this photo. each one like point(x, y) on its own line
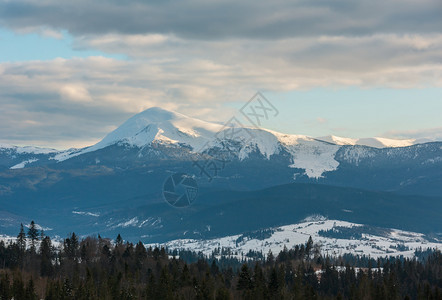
point(82, 99)
point(201, 19)
point(424, 135)
point(34, 110)
point(354, 55)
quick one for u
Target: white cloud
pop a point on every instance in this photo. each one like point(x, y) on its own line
point(194, 56)
point(75, 92)
point(198, 77)
point(426, 134)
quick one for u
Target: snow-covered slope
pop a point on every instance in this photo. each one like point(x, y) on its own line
point(155, 125)
point(23, 163)
point(171, 128)
point(160, 125)
point(375, 142)
point(15, 157)
point(390, 242)
point(27, 149)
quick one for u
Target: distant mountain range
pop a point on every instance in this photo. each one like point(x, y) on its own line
point(116, 185)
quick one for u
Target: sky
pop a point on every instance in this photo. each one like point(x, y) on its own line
point(72, 71)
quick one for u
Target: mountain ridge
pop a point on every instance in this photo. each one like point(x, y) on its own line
point(174, 130)
point(158, 115)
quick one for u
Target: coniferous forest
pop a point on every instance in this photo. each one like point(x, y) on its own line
point(34, 267)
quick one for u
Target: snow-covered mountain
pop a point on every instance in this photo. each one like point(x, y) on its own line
point(116, 184)
point(27, 149)
point(154, 125)
point(334, 238)
point(158, 126)
point(160, 135)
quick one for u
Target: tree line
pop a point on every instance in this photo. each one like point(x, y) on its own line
point(32, 267)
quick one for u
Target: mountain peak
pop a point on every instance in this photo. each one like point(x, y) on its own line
point(169, 127)
point(157, 124)
point(158, 114)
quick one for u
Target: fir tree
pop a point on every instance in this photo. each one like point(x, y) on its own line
point(244, 280)
point(21, 239)
point(119, 240)
point(33, 235)
point(5, 291)
point(30, 291)
point(46, 267)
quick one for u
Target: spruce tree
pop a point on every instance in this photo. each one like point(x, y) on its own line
point(30, 291)
point(308, 247)
point(270, 257)
point(273, 282)
point(46, 267)
point(119, 240)
point(5, 290)
point(33, 235)
point(21, 239)
point(244, 280)
point(18, 289)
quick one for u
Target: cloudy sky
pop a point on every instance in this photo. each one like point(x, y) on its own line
point(71, 71)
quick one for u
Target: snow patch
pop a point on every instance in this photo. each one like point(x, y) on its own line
point(131, 222)
point(315, 158)
point(84, 213)
point(23, 164)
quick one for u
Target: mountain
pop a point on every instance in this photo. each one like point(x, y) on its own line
point(157, 134)
point(13, 157)
point(154, 125)
point(215, 213)
point(116, 185)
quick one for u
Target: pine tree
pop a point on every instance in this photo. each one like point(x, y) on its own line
point(33, 235)
point(244, 280)
point(18, 289)
point(273, 282)
point(30, 291)
point(46, 267)
point(71, 246)
point(309, 247)
point(270, 257)
point(164, 289)
point(21, 239)
point(21, 243)
point(223, 294)
point(119, 240)
point(214, 270)
point(259, 283)
point(5, 292)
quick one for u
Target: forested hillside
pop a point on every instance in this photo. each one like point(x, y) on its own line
point(34, 267)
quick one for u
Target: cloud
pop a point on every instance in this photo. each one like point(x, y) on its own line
point(426, 134)
point(196, 78)
point(321, 120)
point(337, 55)
point(75, 92)
point(216, 19)
point(195, 55)
point(82, 99)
